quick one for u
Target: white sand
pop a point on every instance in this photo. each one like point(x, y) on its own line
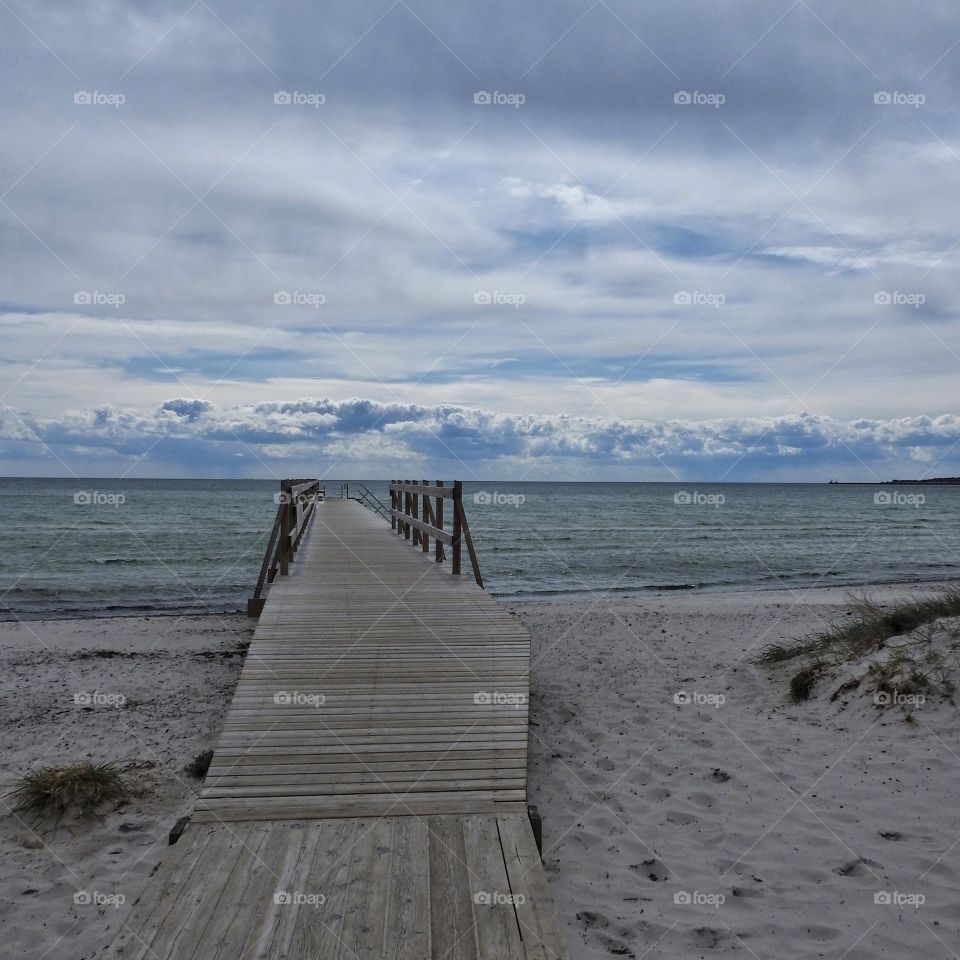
point(778, 808)
point(177, 687)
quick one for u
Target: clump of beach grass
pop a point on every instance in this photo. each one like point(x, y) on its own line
point(922, 660)
point(869, 629)
point(75, 788)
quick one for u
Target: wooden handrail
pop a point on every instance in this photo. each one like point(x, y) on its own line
point(427, 529)
point(295, 505)
point(265, 566)
point(414, 517)
point(425, 489)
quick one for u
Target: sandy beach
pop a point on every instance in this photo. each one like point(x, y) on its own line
point(741, 823)
point(145, 692)
point(689, 808)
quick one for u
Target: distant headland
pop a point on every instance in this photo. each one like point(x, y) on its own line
point(931, 480)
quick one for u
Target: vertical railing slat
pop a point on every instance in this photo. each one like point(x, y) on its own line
point(439, 525)
point(455, 546)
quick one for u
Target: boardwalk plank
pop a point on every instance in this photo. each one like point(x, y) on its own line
point(498, 930)
point(406, 932)
point(451, 916)
point(542, 936)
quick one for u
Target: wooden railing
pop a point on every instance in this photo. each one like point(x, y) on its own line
point(295, 504)
point(417, 513)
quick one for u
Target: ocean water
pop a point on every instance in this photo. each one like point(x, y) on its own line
point(74, 548)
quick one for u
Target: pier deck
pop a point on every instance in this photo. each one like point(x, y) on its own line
point(367, 796)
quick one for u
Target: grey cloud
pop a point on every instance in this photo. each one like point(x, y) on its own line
point(430, 434)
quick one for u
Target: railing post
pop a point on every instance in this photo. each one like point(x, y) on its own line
point(294, 521)
point(455, 546)
point(438, 520)
point(285, 527)
point(407, 507)
point(294, 513)
point(425, 538)
point(415, 513)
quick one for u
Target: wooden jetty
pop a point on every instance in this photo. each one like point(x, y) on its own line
point(367, 797)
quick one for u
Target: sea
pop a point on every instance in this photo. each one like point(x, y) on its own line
point(74, 548)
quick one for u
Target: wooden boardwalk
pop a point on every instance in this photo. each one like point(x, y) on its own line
point(367, 797)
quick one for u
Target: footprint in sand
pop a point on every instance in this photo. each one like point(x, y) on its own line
point(615, 940)
point(857, 868)
point(591, 920)
point(653, 869)
point(709, 937)
point(615, 946)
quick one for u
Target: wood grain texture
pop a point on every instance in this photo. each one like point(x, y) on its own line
point(367, 796)
point(369, 644)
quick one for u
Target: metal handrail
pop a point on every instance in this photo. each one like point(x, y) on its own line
point(369, 499)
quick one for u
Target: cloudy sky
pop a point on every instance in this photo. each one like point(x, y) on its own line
point(584, 240)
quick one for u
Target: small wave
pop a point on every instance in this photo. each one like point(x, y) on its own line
point(584, 591)
point(78, 612)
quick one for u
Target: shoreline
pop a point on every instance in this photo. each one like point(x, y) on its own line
point(558, 597)
point(658, 593)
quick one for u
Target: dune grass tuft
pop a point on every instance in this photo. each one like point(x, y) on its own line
point(77, 787)
point(902, 652)
point(869, 629)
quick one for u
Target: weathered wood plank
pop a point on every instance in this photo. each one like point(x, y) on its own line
point(451, 916)
point(364, 915)
point(406, 931)
point(499, 803)
point(494, 912)
point(542, 935)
